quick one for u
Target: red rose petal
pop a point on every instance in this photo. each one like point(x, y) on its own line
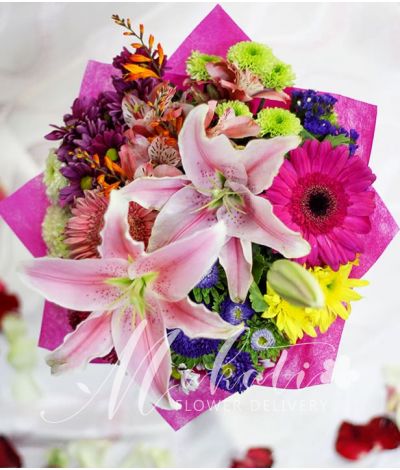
point(351, 442)
point(9, 457)
point(384, 433)
point(256, 457)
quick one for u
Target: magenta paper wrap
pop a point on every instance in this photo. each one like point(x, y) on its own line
point(308, 363)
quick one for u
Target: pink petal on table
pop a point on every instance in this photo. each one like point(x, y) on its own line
point(195, 320)
point(262, 159)
point(237, 259)
point(202, 157)
point(91, 339)
point(75, 284)
point(147, 355)
point(258, 224)
point(151, 192)
point(116, 239)
point(182, 264)
point(184, 214)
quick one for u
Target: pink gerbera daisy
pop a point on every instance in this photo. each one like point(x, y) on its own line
point(325, 194)
point(82, 233)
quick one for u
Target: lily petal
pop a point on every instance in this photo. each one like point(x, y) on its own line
point(181, 216)
point(91, 339)
point(76, 284)
point(196, 320)
point(202, 157)
point(152, 192)
point(182, 264)
point(257, 223)
point(149, 363)
point(116, 239)
point(237, 259)
point(262, 159)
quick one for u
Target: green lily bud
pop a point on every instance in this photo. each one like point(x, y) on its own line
point(295, 284)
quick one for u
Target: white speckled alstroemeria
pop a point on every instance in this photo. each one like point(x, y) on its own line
point(224, 185)
point(128, 288)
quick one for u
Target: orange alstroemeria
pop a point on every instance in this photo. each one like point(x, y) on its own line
point(139, 58)
point(136, 71)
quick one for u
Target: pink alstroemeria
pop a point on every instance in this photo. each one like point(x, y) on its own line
point(128, 289)
point(225, 184)
point(241, 85)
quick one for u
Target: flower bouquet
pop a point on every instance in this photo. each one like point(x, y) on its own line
point(201, 222)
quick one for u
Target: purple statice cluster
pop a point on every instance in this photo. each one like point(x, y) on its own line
point(316, 112)
point(194, 348)
point(210, 279)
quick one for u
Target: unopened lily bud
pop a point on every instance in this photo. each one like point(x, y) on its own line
point(295, 284)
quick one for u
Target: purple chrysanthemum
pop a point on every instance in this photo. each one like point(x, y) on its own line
point(193, 348)
point(210, 279)
point(75, 172)
point(236, 373)
point(262, 339)
point(235, 313)
point(89, 125)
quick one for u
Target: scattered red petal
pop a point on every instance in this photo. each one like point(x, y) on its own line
point(9, 303)
point(256, 457)
point(384, 433)
point(9, 457)
point(355, 441)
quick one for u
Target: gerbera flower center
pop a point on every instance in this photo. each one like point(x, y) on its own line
point(319, 201)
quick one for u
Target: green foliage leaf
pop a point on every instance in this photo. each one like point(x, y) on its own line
point(256, 298)
point(336, 140)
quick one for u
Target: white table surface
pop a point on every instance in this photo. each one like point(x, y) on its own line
point(351, 49)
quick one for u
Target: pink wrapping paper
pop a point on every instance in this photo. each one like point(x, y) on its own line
point(306, 364)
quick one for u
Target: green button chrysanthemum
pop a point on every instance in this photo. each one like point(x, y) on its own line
point(277, 121)
point(239, 108)
point(253, 56)
point(53, 231)
point(280, 77)
point(52, 178)
point(196, 65)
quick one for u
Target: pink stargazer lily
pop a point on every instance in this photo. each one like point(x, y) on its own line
point(128, 289)
point(224, 185)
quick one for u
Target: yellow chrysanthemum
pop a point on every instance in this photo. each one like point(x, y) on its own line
point(293, 321)
point(338, 292)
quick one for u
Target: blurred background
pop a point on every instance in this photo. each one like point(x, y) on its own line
point(350, 49)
